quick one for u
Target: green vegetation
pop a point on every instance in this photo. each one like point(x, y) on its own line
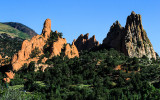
point(22, 28)
point(11, 38)
point(35, 52)
point(91, 77)
point(53, 37)
point(9, 46)
point(13, 32)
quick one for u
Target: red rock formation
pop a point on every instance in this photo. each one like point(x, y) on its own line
point(83, 43)
point(39, 41)
point(10, 75)
point(0, 57)
point(28, 46)
point(7, 80)
point(71, 51)
point(57, 47)
point(46, 28)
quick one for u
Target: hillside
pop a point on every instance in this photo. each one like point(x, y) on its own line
point(9, 45)
point(13, 32)
point(22, 28)
point(11, 38)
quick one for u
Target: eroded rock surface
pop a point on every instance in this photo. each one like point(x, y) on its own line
point(83, 43)
point(9, 75)
point(131, 40)
point(71, 51)
point(38, 42)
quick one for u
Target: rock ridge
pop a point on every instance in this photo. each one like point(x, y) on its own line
point(85, 43)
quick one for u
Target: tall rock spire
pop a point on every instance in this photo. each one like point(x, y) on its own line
point(46, 28)
point(131, 40)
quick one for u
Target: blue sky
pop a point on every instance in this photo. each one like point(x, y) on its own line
point(75, 17)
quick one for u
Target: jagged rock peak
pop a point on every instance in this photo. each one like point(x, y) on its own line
point(131, 40)
point(134, 20)
point(116, 23)
point(46, 28)
point(114, 36)
point(84, 43)
point(133, 13)
point(86, 36)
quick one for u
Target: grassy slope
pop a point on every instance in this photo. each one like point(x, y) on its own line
point(12, 31)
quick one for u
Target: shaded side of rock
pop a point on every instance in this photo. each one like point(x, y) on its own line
point(83, 43)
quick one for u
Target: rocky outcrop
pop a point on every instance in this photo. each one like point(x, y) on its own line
point(0, 57)
point(46, 28)
point(41, 67)
point(115, 37)
point(131, 40)
point(57, 47)
point(38, 42)
point(83, 43)
point(9, 75)
point(71, 51)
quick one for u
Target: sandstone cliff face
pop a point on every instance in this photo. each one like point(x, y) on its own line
point(46, 28)
point(58, 46)
point(23, 56)
point(131, 40)
point(39, 41)
point(71, 51)
point(83, 43)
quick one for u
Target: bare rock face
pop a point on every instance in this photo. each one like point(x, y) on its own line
point(83, 43)
point(0, 57)
point(38, 42)
point(57, 47)
point(23, 56)
point(115, 37)
point(131, 40)
point(7, 80)
point(9, 75)
point(46, 28)
point(71, 51)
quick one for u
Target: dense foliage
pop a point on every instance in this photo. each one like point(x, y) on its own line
point(92, 76)
point(13, 32)
point(9, 46)
point(96, 75)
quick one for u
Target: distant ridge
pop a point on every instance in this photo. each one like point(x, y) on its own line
point(22, 27)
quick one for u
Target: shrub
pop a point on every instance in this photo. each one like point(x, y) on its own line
point(31, 66)
point(35, 52)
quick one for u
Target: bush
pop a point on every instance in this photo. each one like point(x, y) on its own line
point(35, 52)
point(31, 66)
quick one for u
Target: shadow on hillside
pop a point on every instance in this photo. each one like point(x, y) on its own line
point(6, 68)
